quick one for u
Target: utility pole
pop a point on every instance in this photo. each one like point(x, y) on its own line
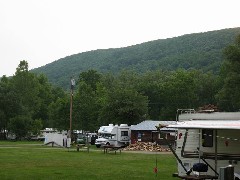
point(71, 102)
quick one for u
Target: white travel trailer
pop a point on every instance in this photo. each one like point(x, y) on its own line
point(211, 138)
point(56, 138)
point(113, 135)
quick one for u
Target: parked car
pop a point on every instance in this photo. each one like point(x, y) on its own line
point(81, 139)
point(87, 138)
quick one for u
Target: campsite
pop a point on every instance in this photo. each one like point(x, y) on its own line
point(32, 160)
point(119, 90)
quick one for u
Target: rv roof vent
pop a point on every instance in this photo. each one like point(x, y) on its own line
point(110, 124)
point(123, 125)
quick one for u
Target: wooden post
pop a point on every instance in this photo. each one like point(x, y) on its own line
point(70, 133)
point(71, 102)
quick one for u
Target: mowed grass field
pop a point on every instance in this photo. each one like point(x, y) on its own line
point(25, 160)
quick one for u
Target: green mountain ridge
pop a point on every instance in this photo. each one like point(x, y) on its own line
point(202, 51)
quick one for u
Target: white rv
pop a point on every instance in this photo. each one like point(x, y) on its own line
point(211, 138)
point(113, 135)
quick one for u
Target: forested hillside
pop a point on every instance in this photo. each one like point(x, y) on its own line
point(28, 102)
point(202, 51)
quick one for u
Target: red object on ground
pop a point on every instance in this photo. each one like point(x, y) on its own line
point(155, 170)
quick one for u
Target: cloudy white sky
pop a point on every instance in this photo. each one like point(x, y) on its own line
point(42, 31)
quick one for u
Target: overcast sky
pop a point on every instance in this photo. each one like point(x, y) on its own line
point(42, 31)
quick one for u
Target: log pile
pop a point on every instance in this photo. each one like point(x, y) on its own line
point(208, 108)
point(144, 146)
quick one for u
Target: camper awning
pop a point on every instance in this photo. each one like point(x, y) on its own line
point(205, 124)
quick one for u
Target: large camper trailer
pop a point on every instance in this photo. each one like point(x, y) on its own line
point(113, 135)
point(211, 138)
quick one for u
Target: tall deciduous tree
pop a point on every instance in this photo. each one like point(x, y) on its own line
point(91, 78)
point(59, 113)
point(229, 96)
point(151, 84)
point(45, 97)
point(20, 125)
point(85, 102)
point(123, 103)
point(207, 85)
point(85, 111)
point(10, 104)
point(179, 93)
point(26, 86)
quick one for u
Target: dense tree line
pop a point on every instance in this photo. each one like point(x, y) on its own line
point(28, 102)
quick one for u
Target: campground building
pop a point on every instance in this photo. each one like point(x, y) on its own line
point(146, 131)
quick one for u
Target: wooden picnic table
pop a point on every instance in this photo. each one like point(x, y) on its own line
point(107, 148)
point(82, 146)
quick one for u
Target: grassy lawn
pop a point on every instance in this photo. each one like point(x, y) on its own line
point(19, 160)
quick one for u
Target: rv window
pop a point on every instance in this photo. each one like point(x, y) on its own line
point(159, 136)
point(207, 138)
point(124, 133)
point(106, 136)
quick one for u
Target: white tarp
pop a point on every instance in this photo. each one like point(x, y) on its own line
point(57, 139)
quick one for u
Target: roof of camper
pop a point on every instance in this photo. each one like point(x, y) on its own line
point(150, 125)
point(207, 124)
point(106, 129)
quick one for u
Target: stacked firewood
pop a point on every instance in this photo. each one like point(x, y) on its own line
point(144, 146)
point(208, 107)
